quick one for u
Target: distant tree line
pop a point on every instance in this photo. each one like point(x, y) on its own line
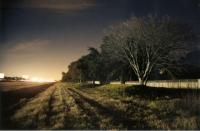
point(7, 78)
point(139, 49)
point(97, 66)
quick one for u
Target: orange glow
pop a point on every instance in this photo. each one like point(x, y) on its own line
point(1, 75)
point(41, 80)
point(26, 77)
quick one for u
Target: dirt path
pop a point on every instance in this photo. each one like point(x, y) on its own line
point(67, 108)
point(90, 117)
point(107, 115)
point(63, 107)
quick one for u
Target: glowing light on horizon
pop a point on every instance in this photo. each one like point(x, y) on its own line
point(1, 75)
point(26, 77)
point(41, 80)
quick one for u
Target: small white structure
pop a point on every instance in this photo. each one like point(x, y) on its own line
point(132, 82)
point(2, 76)
point(94, 82)
point(115, 82)
point(97, 82)
point(199, 83)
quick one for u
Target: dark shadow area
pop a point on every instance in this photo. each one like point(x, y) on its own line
point(135, 114)
point(92, 120)
point(89, 85)
point(153, 93)
point(50, 112)
point(117, 116)
point(11, 98)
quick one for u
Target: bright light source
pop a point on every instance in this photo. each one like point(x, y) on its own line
point(1, 75)
point(26, 77)
point(41, 80)
point(34, 79)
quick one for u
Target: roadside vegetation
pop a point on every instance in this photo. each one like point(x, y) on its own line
point(11, 86)
point(141, 48)
point(75, 106)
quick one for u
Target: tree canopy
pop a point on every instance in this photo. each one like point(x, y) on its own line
point(148, 43)
point(134, 49)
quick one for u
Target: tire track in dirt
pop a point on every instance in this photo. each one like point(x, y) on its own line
point(70, 109)
point(142, 114)
point(114, 117)
point(90, 118)
point(41, 118)
point(49, 111)
point(34, 114)
point(58, 114)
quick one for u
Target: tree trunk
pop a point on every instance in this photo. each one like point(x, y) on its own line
point(80, 80)
point(122, 80)
point(141, 82)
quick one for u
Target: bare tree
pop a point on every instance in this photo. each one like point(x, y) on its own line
point(149, 42)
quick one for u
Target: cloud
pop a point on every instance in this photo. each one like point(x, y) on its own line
point(56, 5)
point(31, 46)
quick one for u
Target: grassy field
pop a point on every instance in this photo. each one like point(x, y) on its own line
point(16, 85)
point(13, 95)
point(74, 106)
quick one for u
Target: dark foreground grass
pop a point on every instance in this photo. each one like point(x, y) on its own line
point(11, 100)
point(161, 108)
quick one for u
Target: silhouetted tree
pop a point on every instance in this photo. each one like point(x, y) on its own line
point(148, 43)
point(90, 64)
point(114, 68)
point(74, 74)
point(87, 68)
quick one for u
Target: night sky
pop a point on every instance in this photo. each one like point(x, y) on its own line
point(42, 37)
